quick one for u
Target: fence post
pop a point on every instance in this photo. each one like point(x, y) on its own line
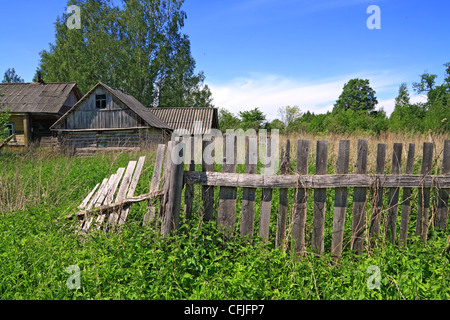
point(422, 222)
point(406, 198)
point(391, 221)
point(340, 200)
point(299, 215)
point(320, 196)
point(442, 205)
point(359, 200)
point(283, 197)
point(171, 217)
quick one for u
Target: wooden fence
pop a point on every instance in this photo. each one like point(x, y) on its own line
point(369, 190)
point(365, 184)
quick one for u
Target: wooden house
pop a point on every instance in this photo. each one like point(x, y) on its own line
point(109, 119)
point(34, 107)
point(194, 120)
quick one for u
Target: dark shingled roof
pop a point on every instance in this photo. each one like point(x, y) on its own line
point(194, 120)
point(36, 97)
point(128, 100)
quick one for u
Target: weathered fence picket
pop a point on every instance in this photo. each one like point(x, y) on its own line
point(422, 222)
point(285, 160)
point(442, 204)
point(299, 215)
point(266, 201)
point(377, 202)
point(208, 191)
point(248, 194)
point(340, 200)
point(406, 199)
point(393, 194)
point(320, 196)
point(359, 200)
point(226, 215)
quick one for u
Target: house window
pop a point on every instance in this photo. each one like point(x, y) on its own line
point(100, 101)
point(9, 127)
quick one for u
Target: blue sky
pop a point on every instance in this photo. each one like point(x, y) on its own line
point(272, 53)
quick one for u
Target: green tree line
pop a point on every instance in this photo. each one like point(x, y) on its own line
point(355, 111)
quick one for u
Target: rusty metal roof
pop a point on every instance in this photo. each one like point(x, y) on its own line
point(194, 120)
point(36, 97)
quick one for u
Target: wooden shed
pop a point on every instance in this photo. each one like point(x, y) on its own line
point(109, 119)
point(194, 120)
point(34, 107)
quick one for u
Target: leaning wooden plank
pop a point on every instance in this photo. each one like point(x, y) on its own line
point(406, 198)
point(283, 198)
point(340, 200)
point(359, 200)
point(391, 221)
point(299, 215)
point(156, 177)
point(312, 181)
point(377, 202)
point(422, 222)
point(89, 196)
point(121, 194)
point(442, 205)
point(104, 208)
point(110, 196)
point(266, 201)
point(248, 194)
point(154, 185)
point(320, 195)
point(226, 215)
point(105, 190)
point(136, 175)
point(97, 194)
point(132, 189)
point(112, 219)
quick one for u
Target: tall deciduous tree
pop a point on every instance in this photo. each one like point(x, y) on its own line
point(357, 95)
point(288, 114)
point(406, 116)
point(136, 46)
point(437, 107)
point(252, 119)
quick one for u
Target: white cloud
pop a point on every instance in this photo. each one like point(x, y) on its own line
point(269, 92)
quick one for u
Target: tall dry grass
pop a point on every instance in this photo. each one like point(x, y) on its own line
point(387, 138)
point(47, 177)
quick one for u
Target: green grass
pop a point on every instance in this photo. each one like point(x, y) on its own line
point(37, 246)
